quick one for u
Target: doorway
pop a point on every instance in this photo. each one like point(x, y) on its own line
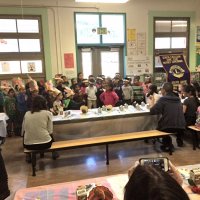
point(101, 60)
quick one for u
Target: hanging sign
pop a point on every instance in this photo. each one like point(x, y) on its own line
point(176, 68)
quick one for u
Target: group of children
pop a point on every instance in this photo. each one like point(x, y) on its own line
point(93, 92)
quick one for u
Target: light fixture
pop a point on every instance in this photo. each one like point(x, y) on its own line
point(102, 1)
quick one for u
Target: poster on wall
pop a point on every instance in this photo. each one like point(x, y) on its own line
point(5, 67)
point(176, 68)
point(31, 67)
point(138, 65)
point(141, 44)
point(69, 60)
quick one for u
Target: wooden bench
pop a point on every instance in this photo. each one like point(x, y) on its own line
point(195, 139)
point(95, 141)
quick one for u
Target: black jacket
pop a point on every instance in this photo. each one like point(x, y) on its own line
point(171, 111)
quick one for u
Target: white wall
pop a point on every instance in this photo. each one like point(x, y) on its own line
point(61, 20)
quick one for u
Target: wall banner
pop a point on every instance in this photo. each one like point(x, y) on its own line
point(176, 68)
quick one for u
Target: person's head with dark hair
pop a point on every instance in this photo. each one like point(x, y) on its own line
point(39, 103)
point(109, 87)
point(79, 77)
point(73, 81)
point(195, 84)
point(151, 183)
point(11, 92)
point(167, 88)
point(189, 90)
point(152, 90)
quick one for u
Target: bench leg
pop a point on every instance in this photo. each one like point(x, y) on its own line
point(33, 164)
point(195, 139)
point(107, 155)
point(170, 148)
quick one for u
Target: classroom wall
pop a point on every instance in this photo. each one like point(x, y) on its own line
point(59, 33)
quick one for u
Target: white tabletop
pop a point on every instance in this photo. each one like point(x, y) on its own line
point(93, 113)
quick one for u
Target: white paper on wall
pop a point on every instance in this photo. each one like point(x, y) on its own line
point(138, 65)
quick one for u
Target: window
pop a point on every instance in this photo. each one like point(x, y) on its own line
point(21, 46)
point(171, 35)
point(98, 28)
point(100, 43)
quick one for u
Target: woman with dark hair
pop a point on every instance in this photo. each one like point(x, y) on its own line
point(79, 78)
point(190, 104)
point(151, 183)
point(38, 126)
point(196, 85)
point(152, 95)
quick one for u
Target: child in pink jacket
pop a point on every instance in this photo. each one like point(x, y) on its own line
point(109, 97)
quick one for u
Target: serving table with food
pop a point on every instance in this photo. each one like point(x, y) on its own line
point(74, 124)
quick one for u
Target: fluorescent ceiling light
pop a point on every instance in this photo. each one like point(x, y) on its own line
point(102, 1)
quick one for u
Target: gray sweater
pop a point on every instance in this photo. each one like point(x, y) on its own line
point(37, 127)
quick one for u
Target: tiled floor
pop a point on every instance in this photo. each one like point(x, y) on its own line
point(83, 163)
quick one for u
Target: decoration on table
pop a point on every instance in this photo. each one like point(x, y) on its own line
point(100, 192)
point(126, 106)
point(109, 107)
point(121, 108)
point(194, 180)
point(99, 110)
point(84, 109)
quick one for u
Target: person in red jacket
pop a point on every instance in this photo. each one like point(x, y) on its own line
point(109, 97)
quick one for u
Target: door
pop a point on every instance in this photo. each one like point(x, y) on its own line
point(96, 61)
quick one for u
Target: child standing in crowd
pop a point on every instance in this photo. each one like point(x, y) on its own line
point(65, 81)
point(79, 78)
point(146, 84)
point(69, 103)
point(32, 91)
point(127, 92)
point(138, 92)
point(11, 110)
point(99, 83)
point(190, 105)
point(1, 101)
point(57, 104)
point(73, 82)
point(109, 97)
point(22, 106)
point(83, 87)
point(91, 91)
point(117, 87)
point(78, 96)
point(152, 95)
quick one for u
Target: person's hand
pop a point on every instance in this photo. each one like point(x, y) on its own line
point(132, 168)
point(173, 171)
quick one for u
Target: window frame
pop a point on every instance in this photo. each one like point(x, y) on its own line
point(171, 35)
point(11, 56)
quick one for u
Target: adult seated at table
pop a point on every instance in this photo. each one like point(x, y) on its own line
point(151, 183)
point(38, 127)
point(172, 118)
